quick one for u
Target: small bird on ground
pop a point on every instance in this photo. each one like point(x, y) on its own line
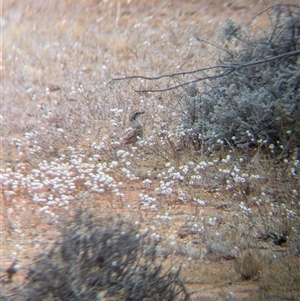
point(12, 270)
point(135, 128)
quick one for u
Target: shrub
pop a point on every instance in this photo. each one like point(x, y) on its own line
point(257, 105)
point(106, 260)
point(249, 264)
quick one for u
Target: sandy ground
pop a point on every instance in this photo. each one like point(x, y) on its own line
point(49, 41)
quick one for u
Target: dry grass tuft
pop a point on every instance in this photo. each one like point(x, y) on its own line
point(249, 264)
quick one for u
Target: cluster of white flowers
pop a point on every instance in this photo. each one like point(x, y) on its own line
point(228, 158)
point(196, 180)
point(199, 202)
point(245, 209)
point(235, 176)
point(212, 221)
point(117, 111)
point(147, 183)
point(123, 154)
point(165, 217)
point(196, 229)
point(184, 169)
point(55, 184)
point(182, 196)
point(128, 174)
point(148, 202)
point(165, 188)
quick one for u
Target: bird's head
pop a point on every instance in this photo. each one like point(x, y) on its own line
point(135, 114)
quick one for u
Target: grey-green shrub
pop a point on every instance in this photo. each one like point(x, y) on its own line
point(257, 105)
point(107, 259)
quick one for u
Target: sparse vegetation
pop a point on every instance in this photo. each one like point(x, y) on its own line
point(215, 179)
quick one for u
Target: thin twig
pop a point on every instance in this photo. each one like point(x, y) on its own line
point(273, 6)
point(212, 44)
point(169, 75)
point(270, 59)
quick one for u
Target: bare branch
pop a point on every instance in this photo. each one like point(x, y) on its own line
point(187, 83)
point(169, 75)
point(273, 6)
point(228, 69)
point(270, 59)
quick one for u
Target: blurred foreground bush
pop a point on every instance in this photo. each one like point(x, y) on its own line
point(106, 260)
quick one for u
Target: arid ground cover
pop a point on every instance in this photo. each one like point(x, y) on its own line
point(229, 217)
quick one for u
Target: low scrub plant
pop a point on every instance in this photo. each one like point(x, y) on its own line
point(108, 259)
point(253, 98)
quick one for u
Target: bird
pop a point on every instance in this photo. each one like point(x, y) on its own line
point(12, 270)
point(135, 131)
